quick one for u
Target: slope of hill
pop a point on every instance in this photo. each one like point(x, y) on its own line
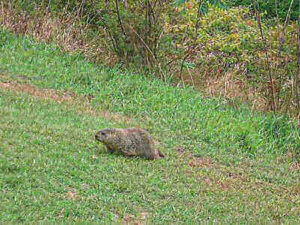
point(224, 163)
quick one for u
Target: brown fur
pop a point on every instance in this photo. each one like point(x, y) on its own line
point(129, 142)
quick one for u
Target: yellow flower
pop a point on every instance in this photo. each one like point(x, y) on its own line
point(178, 9)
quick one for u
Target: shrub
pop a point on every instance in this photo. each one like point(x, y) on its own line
point(229, 40)
point(272, 7)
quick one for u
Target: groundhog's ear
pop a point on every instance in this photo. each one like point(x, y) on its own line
point(101, 132)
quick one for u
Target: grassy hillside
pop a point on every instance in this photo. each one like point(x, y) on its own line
point(219, 51)
point(236, 165)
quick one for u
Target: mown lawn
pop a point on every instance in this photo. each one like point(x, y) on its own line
point(236, 165)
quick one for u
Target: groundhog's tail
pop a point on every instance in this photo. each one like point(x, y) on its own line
point(161, 154)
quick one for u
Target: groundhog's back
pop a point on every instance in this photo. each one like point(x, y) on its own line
point(141, 142)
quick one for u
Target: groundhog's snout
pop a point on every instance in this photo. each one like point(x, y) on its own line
point(99, 135)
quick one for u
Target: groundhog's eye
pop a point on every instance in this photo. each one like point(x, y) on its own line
point(102, 133)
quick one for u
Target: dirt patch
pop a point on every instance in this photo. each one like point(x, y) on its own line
point(41, 93)
point(71, 194)
point(195, 163)
point(295, 166)
point(221, 185)
point(82, 103)
point(201, 162)
point(140, 219)
point(192, 160)
point(296, 189)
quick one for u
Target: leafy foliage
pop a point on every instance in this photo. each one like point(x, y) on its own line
point(229, 40)
point(188, 41)
point(272, 7)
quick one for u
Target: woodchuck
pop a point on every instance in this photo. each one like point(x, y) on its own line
point(129, 142)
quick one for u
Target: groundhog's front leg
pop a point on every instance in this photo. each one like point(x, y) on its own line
point(129, 154)
point(109, 150)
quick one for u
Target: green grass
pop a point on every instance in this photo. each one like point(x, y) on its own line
point(203, 125)
point(46, 149)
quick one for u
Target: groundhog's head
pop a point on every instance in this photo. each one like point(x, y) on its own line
point(105, 136)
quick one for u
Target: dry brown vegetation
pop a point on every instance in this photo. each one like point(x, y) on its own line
point(66, 30)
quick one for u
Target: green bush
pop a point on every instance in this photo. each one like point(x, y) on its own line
point(229, 41)
point(270, 7)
